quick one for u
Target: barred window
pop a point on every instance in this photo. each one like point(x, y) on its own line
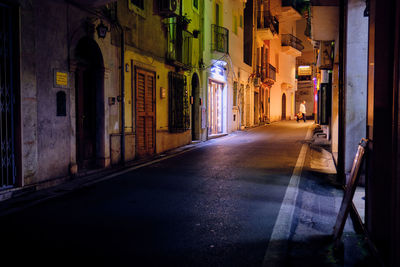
point(179, 113)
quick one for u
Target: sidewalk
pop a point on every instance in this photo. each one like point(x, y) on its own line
point(317, 207)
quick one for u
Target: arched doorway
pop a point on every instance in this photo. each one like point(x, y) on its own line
point(195, 107)
point(284, 107)
point(89, 82)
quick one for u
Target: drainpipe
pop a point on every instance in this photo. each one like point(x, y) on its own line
point(118, 24)
point(122, 95)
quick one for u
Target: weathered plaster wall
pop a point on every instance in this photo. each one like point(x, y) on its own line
point(53, 131)
point(48, 140)
point(29, 102)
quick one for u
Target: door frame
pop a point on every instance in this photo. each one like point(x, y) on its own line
point(88, 56)
point(153, 73)
point(223, 119)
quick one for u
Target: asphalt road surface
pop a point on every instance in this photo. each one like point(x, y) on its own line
point(212, 206)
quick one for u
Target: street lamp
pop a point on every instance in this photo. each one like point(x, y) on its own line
point(101, 30)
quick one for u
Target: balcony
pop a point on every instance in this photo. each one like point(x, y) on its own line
point(267, 25)
point(219, 39)
point(291, 45)
point(291, 10)
point(179, 45)
point(271, 72)
point(267, 73)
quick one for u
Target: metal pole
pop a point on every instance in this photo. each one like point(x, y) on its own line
point(122, 96)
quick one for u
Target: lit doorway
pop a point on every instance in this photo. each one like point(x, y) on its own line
point(215, 108)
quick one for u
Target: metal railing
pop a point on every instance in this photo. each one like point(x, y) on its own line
point(219, 39)
point(266, 72)
point(290, 40)
point(266, 21)
point(179, 45)
point(271, 72)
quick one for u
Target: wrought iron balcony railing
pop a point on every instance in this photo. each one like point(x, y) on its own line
point(266, 21)
point(290, 40)
point(179, 46)
point(271, 72)
point(266, 72)
point(219, 39)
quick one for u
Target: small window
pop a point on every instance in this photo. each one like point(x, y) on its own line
point(235, 25)
point(179, 112)
point(235, 92)
point(196, 4)
point(61, 104)
point(217, 14)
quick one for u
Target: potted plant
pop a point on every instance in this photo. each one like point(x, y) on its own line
point(184, 21)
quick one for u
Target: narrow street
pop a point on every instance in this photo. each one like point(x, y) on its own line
point(212, 206)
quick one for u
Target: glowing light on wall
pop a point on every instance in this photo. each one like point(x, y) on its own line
point(304, 70)
point(218, 70)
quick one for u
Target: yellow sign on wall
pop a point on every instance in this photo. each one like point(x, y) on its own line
point(61, 79)
point(304, 70)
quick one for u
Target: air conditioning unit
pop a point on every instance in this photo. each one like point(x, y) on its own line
point(257, 81)
point(168, 7)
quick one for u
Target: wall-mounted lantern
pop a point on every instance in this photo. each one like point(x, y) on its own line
point(196, 33)
point(101, 30)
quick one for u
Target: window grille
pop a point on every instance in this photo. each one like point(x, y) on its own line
point(219, 39)
point(7, 98)
point(179, 114)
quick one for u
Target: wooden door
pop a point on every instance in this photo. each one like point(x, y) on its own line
point(86, 118)
point(145, 113)
point(283, 107)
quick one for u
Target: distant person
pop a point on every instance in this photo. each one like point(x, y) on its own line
point(302, 111)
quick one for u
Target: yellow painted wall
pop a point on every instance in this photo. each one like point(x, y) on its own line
point(148, 52)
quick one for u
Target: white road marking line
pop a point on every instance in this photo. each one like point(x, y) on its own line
point(281, 231)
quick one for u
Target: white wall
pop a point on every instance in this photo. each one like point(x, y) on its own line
point(356, 78)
